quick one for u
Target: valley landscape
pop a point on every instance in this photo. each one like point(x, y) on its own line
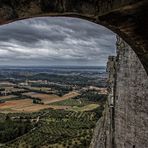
point(73, 74)
point(50, 107)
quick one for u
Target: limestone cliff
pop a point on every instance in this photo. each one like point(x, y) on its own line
point(125, 120)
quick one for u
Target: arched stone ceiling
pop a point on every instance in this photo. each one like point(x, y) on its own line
point(127, 18)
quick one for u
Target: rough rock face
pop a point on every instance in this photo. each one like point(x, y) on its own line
point(103, 136)
point(127, 18)
point(125, 120)
point(131, 100)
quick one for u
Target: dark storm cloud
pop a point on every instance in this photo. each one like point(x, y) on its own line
point(55, 41)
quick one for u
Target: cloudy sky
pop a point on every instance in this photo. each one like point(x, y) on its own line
point(55, 41)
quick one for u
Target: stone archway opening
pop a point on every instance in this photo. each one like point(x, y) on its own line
point(128, 19)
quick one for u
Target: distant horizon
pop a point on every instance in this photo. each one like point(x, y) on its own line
point(54, 66)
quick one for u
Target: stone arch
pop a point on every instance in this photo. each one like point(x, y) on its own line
point(127, 18)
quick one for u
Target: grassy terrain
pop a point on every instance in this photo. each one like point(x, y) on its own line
point(85, 108)
point(71, 102)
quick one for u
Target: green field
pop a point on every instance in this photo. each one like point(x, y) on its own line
point(88, 107)
point(71, 102)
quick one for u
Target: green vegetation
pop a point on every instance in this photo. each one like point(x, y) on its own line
point(78, 80)
point(59, 90)
point(71, 102)
point(91, 95)
point(50, 128)
point(60, 127)
point(85, 108)
point(2, 101)
point(10, 130)
point(37, 101)
point(85, 98)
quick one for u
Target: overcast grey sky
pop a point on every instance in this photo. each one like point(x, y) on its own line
point(55, 41)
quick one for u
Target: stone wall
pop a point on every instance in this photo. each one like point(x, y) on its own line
point(125, 120)
point(131, 100)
